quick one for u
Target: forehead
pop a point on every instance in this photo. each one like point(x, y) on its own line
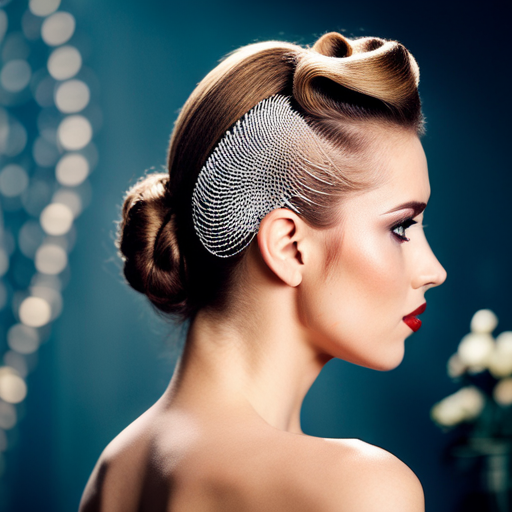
point(403, 171)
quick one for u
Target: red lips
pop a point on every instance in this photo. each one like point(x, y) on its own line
point(411, 320)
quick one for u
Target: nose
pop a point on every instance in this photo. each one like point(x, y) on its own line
point(430, 273)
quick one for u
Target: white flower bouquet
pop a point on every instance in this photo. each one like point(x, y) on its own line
point(483, 365)
point(481, 410)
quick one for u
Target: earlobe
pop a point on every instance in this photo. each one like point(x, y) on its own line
point(279, 237)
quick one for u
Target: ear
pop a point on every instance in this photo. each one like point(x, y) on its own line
point(281, 240)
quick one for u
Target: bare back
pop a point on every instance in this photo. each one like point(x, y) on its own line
point(163, 462)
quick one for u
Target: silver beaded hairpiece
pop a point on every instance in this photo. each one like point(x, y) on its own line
point(253, 170)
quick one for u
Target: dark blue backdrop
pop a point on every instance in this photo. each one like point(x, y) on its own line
point(109, 358)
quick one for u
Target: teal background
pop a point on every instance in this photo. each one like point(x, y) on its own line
point(109, 357)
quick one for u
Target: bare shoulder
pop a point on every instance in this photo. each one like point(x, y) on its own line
point(112, 467)
point(366, 478)
point(340, 475)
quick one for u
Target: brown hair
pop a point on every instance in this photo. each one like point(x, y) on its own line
point(346, 90)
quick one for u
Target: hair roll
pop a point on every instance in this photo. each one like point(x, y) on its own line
point(373, 67)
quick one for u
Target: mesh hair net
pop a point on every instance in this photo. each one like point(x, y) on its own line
point(255, 168)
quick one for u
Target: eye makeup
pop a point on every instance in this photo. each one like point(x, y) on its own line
point(403, 225)
point(417, 207)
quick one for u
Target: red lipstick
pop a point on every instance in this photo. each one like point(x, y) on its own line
point(411, 320)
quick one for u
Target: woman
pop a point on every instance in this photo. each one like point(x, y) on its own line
point(287, 232)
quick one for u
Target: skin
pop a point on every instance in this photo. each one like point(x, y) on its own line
point(226, 433)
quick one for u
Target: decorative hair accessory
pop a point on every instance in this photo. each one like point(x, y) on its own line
point(255, 168)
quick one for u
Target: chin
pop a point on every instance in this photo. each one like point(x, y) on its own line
point(385, 366)
point(383, 355)
point(380, 361)
point(389, 361)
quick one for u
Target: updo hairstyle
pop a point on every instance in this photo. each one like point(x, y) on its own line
point(343, 88)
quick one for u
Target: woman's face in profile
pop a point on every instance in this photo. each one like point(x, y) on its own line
point(383, 264)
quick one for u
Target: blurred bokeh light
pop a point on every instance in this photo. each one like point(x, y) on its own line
point(46, 156)
point(58, 28)
point(64, 62)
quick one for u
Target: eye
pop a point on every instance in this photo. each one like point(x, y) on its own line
point(399, 229)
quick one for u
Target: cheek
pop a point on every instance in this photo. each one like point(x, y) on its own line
point(371, 268)
point(357, 307)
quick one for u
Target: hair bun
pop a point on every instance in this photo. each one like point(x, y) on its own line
point(147, 243)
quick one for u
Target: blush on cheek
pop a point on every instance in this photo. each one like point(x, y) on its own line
point(354, 310)
point(373, 267)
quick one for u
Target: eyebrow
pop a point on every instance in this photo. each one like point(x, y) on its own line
point(416, 206)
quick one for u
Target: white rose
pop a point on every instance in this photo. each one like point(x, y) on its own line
point(465, 404)
point(484, 321)
point(500, 361)
point(500, 365)
point(445, 414)
point(471, 400)
point(475, 349)
point(504, 342)
point(455, 366)
point(503, 392)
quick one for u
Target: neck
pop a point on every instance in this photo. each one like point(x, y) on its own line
point(259, 357)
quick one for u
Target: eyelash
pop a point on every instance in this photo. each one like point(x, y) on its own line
point(403, 224)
